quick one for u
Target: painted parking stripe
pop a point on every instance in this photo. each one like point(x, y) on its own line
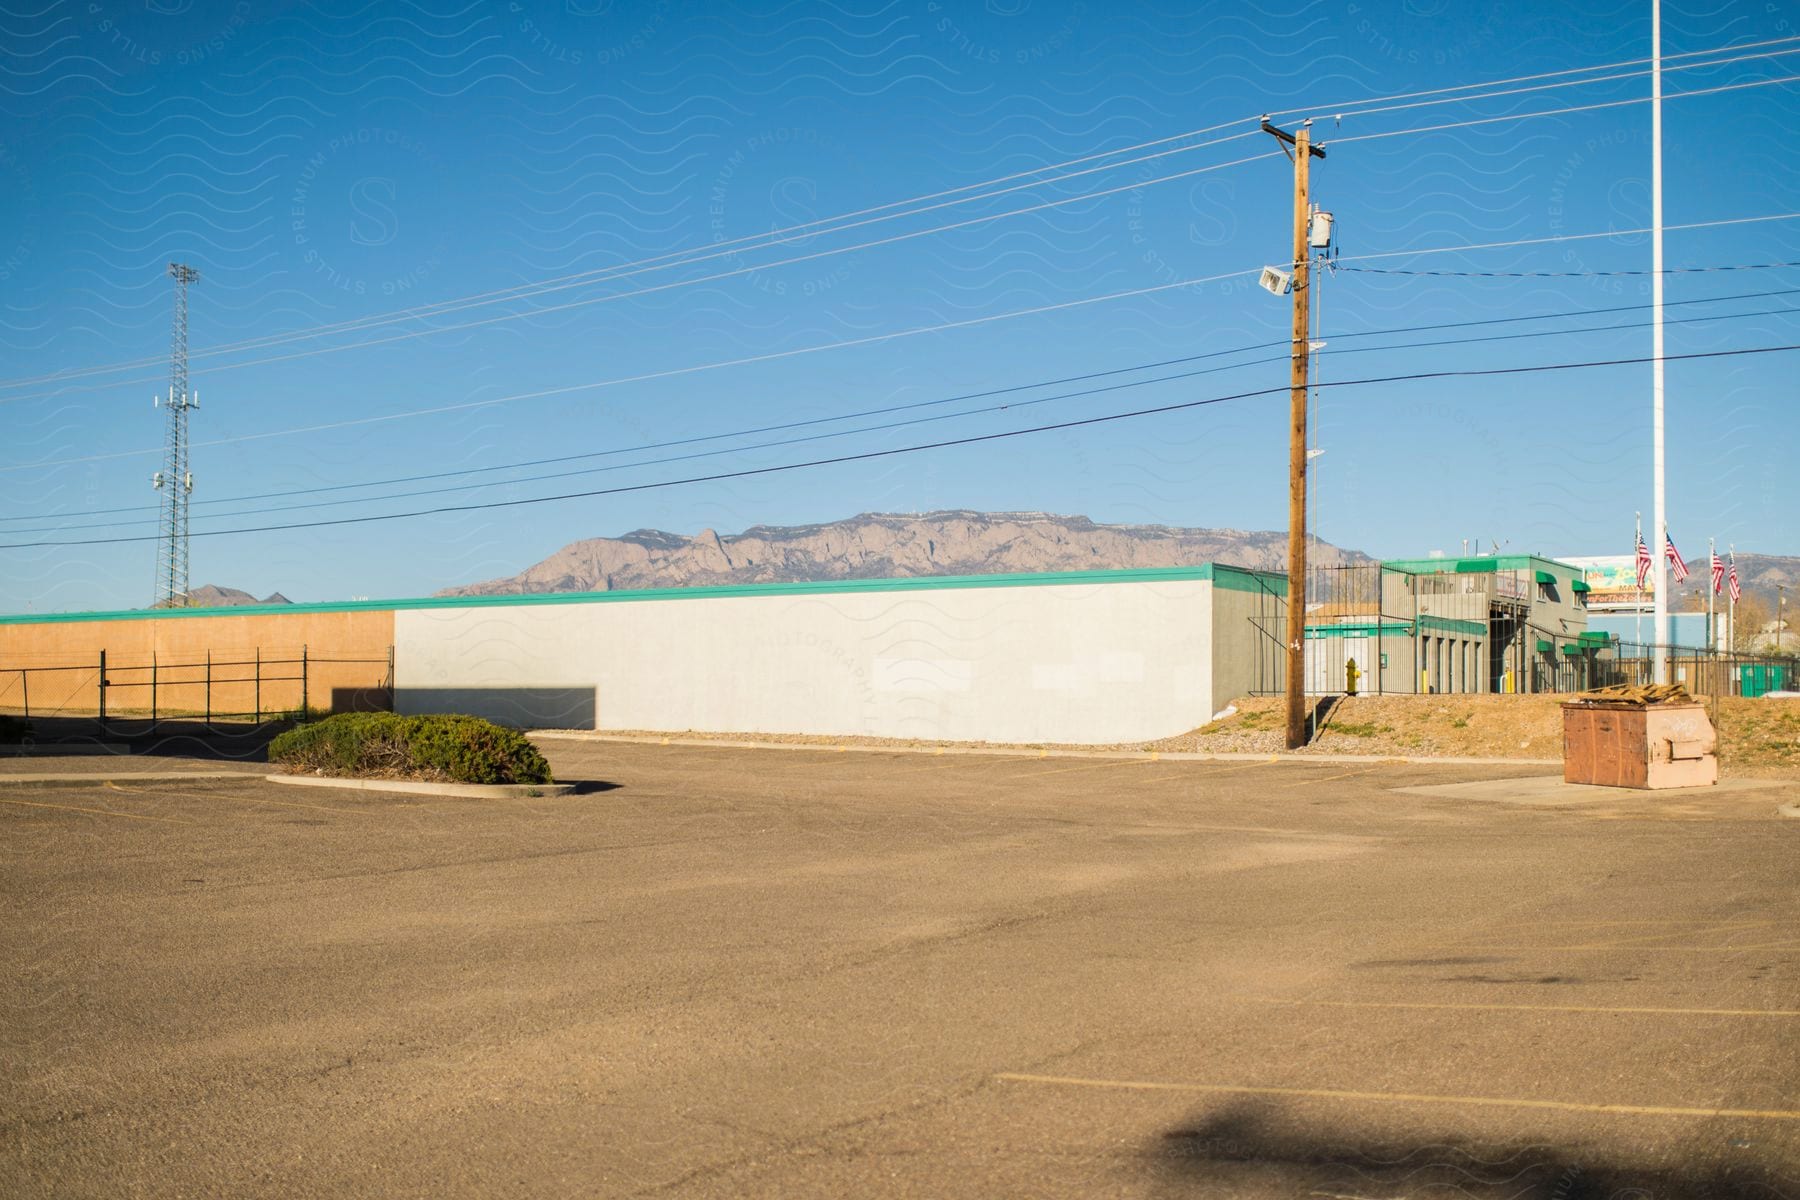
point(99, 812)
point(1212, 772)
point(1571, 1008)
point(1125, 762)
point(1230, 1089)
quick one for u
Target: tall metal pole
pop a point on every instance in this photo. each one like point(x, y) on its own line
point(1304, 152)
point(175, 480)
point(1660, 612)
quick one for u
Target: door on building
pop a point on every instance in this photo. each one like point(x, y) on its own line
point(1327, 658)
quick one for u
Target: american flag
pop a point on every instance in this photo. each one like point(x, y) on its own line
point(1643, 561)
point(1737, 593)
point(1677, 563)
point(1718, 573)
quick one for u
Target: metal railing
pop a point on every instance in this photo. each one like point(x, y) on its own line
point(240, 685)
point(1702, 672)
point(1367, 613)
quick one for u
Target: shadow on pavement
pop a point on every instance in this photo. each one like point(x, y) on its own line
point(232, 741)
point(1260, 1144)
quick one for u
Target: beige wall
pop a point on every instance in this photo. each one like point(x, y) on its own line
point(179, 646)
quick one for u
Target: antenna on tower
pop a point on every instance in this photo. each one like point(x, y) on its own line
point(175, 481)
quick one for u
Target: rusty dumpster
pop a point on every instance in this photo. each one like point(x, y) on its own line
point(1625, 743)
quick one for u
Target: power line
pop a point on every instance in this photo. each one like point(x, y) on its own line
point(1012, 389)
point(1495, 83)
point(938, 402)
point(871, 339)
point(816, 227)
point(1567, 274)
point(618, 271)
point(1720, 62)
point(670, 373)
point(867, 455)
point(681, 283)
point(682, 258)
point(1564, 237)
point(1558, 112)
point(960, 414)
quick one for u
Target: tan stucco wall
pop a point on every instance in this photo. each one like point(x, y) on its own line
point(179, 646)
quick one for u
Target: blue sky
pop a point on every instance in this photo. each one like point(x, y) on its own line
point(343, 163)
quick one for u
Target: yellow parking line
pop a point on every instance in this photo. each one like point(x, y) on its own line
point(1202, 776)
point(296, 804)
point(1128, 762)
point(1644, 1110)
point(252, 800)
point(102, 812)
point(1575, 1008)
point(1789, 945)
point(1344, 775)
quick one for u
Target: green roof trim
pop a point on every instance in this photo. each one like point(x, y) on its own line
point(1396, 628)
point(1485, 565)
point(1240, 579)
point(1453, 625)
point(1359, 629)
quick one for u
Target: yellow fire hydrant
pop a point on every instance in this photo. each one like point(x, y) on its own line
point(1351, 675)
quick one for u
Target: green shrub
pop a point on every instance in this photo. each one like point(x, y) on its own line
point(386, 745)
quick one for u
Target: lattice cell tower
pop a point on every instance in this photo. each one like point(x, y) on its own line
point(175, 480)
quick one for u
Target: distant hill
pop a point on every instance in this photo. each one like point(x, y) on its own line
point(1762, 577)
point(883, 545)
point(211, 595)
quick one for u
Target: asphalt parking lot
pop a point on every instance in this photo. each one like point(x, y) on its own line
point(724, 972)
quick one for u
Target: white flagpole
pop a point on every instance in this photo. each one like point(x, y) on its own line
point(1661, 564)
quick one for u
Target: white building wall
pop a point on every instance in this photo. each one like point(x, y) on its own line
point(1100, 662)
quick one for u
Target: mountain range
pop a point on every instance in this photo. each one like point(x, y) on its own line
point(884, 545)
point(953, 542)
point(211, 595)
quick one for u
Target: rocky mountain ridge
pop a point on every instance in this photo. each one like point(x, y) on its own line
point(884, 545)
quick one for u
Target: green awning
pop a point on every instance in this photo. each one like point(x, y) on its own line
point(1598, 637)
point(1571, 649)
point(1546, 577)
point(1580, 585)
point(1544, 647)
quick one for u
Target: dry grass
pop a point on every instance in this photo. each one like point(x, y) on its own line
point(1758, 736)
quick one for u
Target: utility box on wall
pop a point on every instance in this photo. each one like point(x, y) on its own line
point(1639, 745)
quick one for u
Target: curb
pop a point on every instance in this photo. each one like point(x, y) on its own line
point(1040, 752)
point(479, 791)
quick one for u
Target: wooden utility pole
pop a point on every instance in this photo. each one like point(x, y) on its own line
point(1303, 153)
